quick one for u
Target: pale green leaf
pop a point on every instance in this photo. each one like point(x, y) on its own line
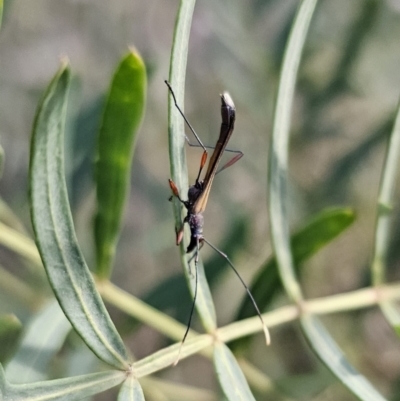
point(69, 389)
point(278, 160)
point(204, 303)
point(230, 376)
point(319, 339)
point(65, 266)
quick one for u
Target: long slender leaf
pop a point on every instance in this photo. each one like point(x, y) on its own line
point(65, 266)
point(117, 138)
point(131, 390)
point(384, 216)
point(39, 346)
point(230, 376)
point(204, 303)
point(320, 340)
point(72, 388)
point(278, 161)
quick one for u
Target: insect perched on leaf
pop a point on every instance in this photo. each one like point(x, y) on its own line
point(199, 192)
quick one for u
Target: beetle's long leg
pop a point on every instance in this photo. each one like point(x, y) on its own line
point(175, 191)
point(200, 144)
point(232, 161)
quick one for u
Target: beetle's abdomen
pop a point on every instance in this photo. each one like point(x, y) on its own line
point(196, 230)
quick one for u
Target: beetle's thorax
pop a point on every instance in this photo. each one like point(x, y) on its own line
point(193, 193)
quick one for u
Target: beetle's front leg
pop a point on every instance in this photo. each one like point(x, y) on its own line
point(175, 191)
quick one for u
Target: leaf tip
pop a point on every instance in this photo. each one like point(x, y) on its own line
point(135, 54)
point(64, 61)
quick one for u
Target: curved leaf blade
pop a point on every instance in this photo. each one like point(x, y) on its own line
point(278, 160)
point(52, 222)
point(69, 389)
point(230, 376)
point(121, 120)
point(176, 134)
point(320, 340)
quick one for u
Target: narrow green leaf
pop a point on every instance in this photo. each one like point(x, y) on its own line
point(39, 346)
point(131, 390)
point(69, 389)
point(278, 160)
point(333, 357)
point(10, 330)
point(230, 376)
point(319, 232)
point(65, 266)
point(121, 120)
point(384, 220)
point(177, 74)
point(319, 339)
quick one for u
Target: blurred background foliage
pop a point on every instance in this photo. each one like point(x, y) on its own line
point(347, 92)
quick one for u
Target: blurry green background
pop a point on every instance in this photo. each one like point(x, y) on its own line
point(347, 92)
